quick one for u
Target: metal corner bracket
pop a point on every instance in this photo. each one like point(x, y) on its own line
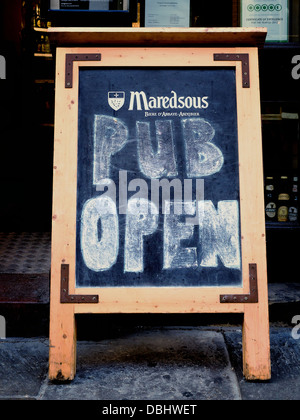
point(244, 58)
point(65, 297)
point(253, 295)
point(70, 58)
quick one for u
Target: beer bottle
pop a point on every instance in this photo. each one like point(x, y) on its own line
point(38, 14)
point(283, 200)
point(42, 43)
point(47, 47)
point(270, 199)
point(293, 209)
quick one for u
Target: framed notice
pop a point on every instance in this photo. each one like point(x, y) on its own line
point(158, 191)
point(273, 15)
point(91, 5)
point(167, 13)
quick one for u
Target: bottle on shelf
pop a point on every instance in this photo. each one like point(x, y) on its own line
point(283, 200)
point(47, 47)
point(41, 44)
point(36, 14)
point(40, 18)
point(270, 199)
point(293, 209)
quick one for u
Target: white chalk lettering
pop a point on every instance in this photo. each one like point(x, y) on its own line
point(162, 163)
point(110, 136)
point(141, 220)
point(203, 158)
point(188, 197)
point(175, 255)
point(218, 241)
point(219, 234)
point(99, 254)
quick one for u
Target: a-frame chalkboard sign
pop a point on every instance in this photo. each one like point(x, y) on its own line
point(158, 183)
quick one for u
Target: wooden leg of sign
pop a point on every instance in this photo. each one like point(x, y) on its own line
point(62, 350)
point(256, 342)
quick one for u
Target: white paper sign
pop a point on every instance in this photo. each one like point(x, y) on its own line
point(167, 13)
point(270, 14)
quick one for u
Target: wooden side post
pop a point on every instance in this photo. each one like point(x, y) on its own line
point(62, 346)
point(256, 349)
point(256, 335)
point(62, 349)
point(256, 339)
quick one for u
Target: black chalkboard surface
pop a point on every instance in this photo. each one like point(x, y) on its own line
point(144, 127)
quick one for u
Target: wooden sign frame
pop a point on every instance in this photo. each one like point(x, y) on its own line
point(67, 300)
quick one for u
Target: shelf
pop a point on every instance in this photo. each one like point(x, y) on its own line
point(43, 55)
point(282, 225)
point(282, 45)
point(157, 36)
point(44, 81)
point(49, 125)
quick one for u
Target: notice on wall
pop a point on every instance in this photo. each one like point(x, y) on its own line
point(80, 4)
point(273, 15)
point(167, 13)
point(158, 179)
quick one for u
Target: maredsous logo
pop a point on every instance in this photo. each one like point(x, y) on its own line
point(116, 100)
point(140, 101)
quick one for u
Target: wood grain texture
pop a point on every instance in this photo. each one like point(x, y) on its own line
point(157, 36)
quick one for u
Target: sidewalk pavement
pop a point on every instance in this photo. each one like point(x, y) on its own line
point(158, 364)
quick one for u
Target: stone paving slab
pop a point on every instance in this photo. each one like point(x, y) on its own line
point(152, 365)
point(170, 363)
point(23, 367)
point(285, 364)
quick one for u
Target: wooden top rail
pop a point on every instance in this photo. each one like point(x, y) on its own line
point(253, 37)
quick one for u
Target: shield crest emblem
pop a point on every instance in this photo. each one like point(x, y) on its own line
point(116, 100)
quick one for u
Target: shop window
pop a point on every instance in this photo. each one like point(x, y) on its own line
point(280, 17)
point(280, 128)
